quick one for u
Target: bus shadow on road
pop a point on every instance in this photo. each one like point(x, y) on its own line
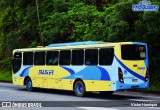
point(95, 95)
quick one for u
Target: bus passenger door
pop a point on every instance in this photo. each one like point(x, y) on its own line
point(17, 62)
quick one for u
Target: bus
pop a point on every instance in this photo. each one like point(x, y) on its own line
point(88, 66)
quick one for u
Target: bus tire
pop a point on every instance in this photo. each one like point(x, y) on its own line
point(79, 89)
point(29, 85)
point(106, 93)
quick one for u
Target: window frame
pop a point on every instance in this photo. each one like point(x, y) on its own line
point(47, 57)
point(97, 56)
point(112, 57)
point(131, 59)
point(44, 58)
point(32, 56)
point(72, 57)
point(60, 56)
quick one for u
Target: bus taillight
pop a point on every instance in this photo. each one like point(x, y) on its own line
point(120, 75)
point(147, 75)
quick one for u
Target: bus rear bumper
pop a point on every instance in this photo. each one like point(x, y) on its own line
point(121, 86)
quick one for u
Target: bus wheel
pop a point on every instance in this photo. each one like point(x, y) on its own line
point(107, 93)
point(29, 85)
point(79, 88)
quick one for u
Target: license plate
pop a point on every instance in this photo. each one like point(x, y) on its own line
point(134, 80)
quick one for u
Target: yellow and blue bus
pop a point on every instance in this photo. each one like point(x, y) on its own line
point(83, 66)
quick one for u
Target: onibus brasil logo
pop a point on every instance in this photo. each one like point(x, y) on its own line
point(145, 5)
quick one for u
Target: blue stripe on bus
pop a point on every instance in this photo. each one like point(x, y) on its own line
point(91, 73)
point(129, 70)
point(69, 70)
point(25, 72)
point(146, 60)
point(104, 73)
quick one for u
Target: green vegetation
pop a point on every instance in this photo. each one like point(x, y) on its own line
point(5, 75)
point(153, 88)
point(5, 70)
point(77, 20)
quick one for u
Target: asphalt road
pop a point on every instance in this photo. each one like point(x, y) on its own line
point(60, 100)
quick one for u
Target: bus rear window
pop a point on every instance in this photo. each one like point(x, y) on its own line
point(133, 52)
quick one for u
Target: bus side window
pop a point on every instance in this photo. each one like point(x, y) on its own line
point(28, 58)
point(65, 56)
point(88, 62)
point(39, 58)
point(52, 58)
point(77, 57)
point(91, 56)
point(106, 56)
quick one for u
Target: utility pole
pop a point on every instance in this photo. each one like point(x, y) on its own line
point(39, 22)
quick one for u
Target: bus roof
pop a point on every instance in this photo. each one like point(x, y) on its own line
point(75, 43)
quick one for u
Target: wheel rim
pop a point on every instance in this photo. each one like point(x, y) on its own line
point(79, 89)
point(29, 84)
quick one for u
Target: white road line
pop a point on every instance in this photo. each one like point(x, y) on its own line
point(141, 100)
point(7, 91)
point(96, 108)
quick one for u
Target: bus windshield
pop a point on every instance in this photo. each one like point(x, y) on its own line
point(133, 52)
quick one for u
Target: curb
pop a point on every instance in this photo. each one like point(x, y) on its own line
point(5, 81)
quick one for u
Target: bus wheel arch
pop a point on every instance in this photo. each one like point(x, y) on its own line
point(28, 83)
point(25, 79)
point(79, 87)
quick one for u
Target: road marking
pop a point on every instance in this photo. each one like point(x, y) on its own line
point(142, 100)
point(7, 91)
point(96, 108)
